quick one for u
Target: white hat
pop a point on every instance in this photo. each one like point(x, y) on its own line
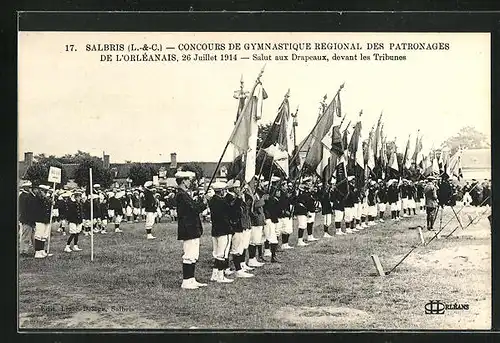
point(148, 184)
point(94, 196)
point(219, 185)
point(350, 178)
point(184, 174)
point(110, 194)
point(275, 178)
point(306, 179)
point(66, 194)
point(119, 194)
point(233, 184)
point(26, 184)
point(97, 185)
point(265, 183)
point(45, 187)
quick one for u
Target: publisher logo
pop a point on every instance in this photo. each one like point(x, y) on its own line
point(439, 307)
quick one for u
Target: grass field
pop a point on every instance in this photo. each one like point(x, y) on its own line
point(330, 284)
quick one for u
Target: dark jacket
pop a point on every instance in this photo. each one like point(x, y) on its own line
point(219, 214)
point(392, 193)
point(420, 191)
point(372, 196)
point(382, 194)
point(272, 209)
point(350, 199)
point(41, 209)
point(300, 204)
point(411, 192)
point(257, 217)
point(136, 201)
point(116, 205)
point(26, 208)
point(285, 205)
point(326, 205)
point(62, 206)
point(246, 207)
point(188, 216)
point(430, 195)
point(75, 212)
point(149, 201)
point(337, 199)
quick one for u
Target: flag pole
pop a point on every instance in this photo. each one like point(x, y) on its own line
point(91, 217)
point(257, 81)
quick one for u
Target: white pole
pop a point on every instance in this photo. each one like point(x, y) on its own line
point(50, 222)
point(91, 218)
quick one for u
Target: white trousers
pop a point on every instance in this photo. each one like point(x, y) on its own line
point(327, 219)
point(310, 217)
point(75, 228)
point(372, 210)
point(285, 226)
point(411, 204)
point(357, 210)
point(467, 199)
point(111, 214)
point(150, 220)
point(256, 234)
point(191, 248)
point(118, 218)
point(42, 231)
point(220, 247)
point(246, 238)
point(237, 243)
point(349, 214)
point(394, 206)
point(270, 232)
point(381, 207)
point(136, 211)
point(405, 203)
point(339, 215)
point(129, 211)
point(364, 209)
point(302, 221)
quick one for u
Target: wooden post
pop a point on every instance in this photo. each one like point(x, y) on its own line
point(91, 217)
point(422, 240)
point(51, 217)
point(378, 265)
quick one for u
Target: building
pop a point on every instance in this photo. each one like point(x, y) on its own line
point(476, 164)
point(121, 170)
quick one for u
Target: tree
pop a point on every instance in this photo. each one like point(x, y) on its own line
point(195, 168)
point(39, 171)
point(139, 173)
point(262, 132)
point(99, 174)
point(467, 137)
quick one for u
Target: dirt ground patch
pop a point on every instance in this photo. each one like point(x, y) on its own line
point(96, 320)
point(321, 317)
point(477, 257)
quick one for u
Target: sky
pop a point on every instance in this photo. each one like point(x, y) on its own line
point(143, 111)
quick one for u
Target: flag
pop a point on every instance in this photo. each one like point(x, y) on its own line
point(244, 135)
point(341, 174)
point(371, 147)
point(454, 164)
point(377, 138)
point(333, 149)
point(406, 155)
point(279, 140)
point(435, 164)
point(314, 155)
point(418, 155)
point(356, 146)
